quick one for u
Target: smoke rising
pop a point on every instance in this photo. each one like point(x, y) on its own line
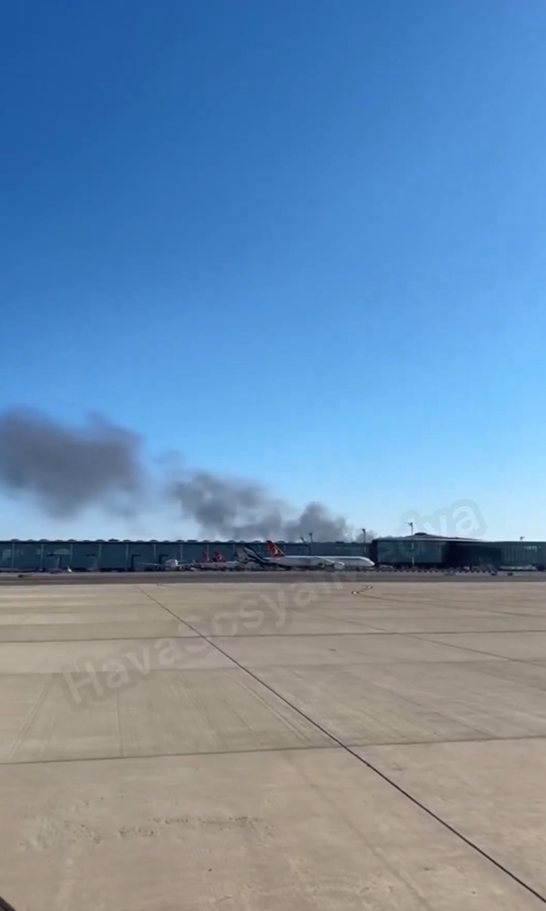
point(68, 469)
point(237, 509)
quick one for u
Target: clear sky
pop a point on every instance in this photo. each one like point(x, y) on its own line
point(302, 242)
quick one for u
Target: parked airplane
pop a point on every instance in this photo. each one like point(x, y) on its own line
point(219, 562)
point(337, 562)
point(170, 565)
point(277, 558)
point(282, 561)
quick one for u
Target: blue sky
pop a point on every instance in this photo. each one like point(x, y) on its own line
point(298, 241)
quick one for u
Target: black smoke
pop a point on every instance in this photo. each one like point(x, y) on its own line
point(239, 510)
point(67, 469)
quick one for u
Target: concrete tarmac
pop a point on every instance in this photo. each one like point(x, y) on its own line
point(294, 744)
point(258, 576)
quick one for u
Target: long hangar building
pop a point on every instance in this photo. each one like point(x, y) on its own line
point(421, 551)
point(136, 556)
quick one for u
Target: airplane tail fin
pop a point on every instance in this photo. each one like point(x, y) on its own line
point(218, 557)
point(250, 554)
point(274, 550)
point(205, 557)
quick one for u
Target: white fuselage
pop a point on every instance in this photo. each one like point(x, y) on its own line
point(355, 562)
point(308, 561)
point(302, 560)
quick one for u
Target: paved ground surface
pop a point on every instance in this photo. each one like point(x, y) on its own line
point(277, 576)
point(280, 746)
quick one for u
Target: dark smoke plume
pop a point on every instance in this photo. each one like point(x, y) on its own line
point(237, 509)
point(99, 464)
point(66, 469)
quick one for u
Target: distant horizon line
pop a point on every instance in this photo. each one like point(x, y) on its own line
point(307, 543)
point(179, 540)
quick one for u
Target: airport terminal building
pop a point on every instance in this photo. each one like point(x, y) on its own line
point(138, 556)
point(420, 551)
point(434, 551)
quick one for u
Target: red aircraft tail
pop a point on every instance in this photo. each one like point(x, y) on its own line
point(274, 551)
point(205, 557)
point(218, 557)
